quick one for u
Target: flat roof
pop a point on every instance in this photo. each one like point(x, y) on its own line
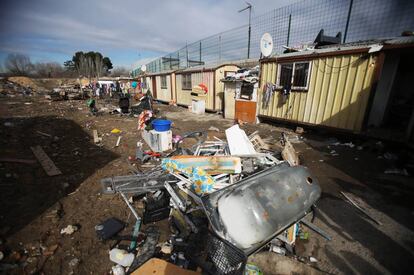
point(358, 46)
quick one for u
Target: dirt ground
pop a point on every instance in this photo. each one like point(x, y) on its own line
point(35, 207)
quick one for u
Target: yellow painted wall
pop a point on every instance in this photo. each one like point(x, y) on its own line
point(220, 85)
point(164, 94)
point(206, 78)
point(337, 97)
point(183, 96)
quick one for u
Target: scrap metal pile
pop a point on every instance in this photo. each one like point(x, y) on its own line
point(225, 200)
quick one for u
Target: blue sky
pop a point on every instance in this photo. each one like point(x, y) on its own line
point(130, 32)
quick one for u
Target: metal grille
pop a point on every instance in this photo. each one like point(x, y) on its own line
point(296, 24)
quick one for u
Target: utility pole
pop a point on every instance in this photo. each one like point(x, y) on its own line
point(249, 7)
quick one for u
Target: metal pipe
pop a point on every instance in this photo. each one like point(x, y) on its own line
point(130, 207)
point(316, 229)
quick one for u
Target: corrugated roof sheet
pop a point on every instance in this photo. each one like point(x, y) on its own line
point(400, 40)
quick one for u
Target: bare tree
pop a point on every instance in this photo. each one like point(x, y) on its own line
point(48, 69)
point(18, 64)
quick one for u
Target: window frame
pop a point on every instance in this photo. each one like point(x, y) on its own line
point(297, 88)
point(229, 73)
point(162, 77)
point(184, 83)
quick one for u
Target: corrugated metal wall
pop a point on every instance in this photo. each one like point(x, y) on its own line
point(337, 97)
point(184, 96)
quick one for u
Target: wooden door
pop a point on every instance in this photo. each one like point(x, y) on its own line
point(246, 111)
point(154, 86)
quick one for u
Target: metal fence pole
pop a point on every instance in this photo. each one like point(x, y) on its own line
point(347, 20)
point(186, 52)
point(220, 49)
point(288, 34)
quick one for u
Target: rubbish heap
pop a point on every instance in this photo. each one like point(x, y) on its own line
point(12, 89)
point(67, 92)
point(224, 200)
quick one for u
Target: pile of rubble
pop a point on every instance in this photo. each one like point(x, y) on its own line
point(12, 89)
point(224, 200)
point(68, 92)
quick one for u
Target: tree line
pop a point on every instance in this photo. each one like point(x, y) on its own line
point(89, 64)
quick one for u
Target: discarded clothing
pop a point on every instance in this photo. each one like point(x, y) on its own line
point(143, 118)
point(268, 90)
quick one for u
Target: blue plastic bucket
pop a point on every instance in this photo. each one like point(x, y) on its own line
point(161, 125)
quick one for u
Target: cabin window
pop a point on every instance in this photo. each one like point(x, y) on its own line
point(294, 75)
point(186, 81)
point(163, 82)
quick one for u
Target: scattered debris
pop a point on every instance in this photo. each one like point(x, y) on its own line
point(25, 161)
point(288, 153)
point(121, 257)
point(316, 229)
point(118, 270)
point(313, 260)
point(69, 230)
point(47, 164)
point(258, 142)
point(159, 266)
point(397, 171)
point(299, 130)
point(43, 134)
point(96, 138)
point(348, 144)
point(74, 262)
point(118, 141)
point(238, 142)
point(347, 196)
point(212, 128)
point(50, 250)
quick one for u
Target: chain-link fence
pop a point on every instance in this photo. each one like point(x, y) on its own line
point(296, 24)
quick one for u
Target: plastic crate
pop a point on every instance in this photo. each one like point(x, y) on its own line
point(216, 256)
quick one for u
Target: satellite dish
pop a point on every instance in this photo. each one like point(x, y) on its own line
point(144, 68)
point(266, 44)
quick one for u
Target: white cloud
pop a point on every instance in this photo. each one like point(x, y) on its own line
point(157, 26)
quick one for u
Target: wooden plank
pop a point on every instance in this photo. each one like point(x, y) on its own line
point(161, 267)
point(96, 138)
point(26, 161)
point(47, 164)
